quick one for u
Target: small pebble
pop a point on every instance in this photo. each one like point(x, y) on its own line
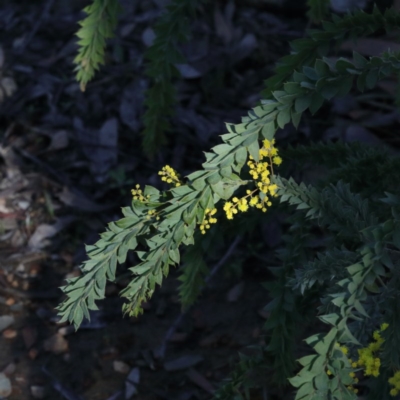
point(56, 344)
point(5, 386)
point(38, 392)
point(66, 330)
point(33, 353)
point(121, 367)
point(9, 334)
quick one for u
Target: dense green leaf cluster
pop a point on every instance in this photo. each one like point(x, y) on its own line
point(362, 278)
point(307, 50)
point(358, 205)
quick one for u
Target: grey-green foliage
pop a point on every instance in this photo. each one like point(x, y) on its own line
point(327, 267)
point(363, 278)
point(351, 217)
point(96, 27)
point(319, 42)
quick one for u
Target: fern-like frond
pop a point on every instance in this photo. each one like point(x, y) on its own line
point(327, 267)
point(307, 50)
point(336, 206)
point(171, 29)
point(98, 26)
point(194, 271)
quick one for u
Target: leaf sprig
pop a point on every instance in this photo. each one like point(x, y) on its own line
point(171, 30)
point(219, 179)
point(98, 26)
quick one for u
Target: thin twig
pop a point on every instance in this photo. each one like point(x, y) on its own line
point(160, 352)
point(57, 175)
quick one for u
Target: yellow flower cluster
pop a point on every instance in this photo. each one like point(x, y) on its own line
point(369, 361)
point(137, 194)
point(367, 357)
point(169, 175)
point(260, 172)
point(352, 388)
point(230, 209)
point(152, 213)
point(343, 349)
point(395, 381)
point(208, 219)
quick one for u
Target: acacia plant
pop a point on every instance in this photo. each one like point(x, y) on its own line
point(355, 280)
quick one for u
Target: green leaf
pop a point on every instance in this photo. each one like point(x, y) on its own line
point(371, 78)
point(329, 90)
point(222, 149)
point(302, 103)
point(268, 130)
point(293, 88)
point(342, 65)
point(283, 118)
point(214, 178)
point(225, 188)
point(321, 68)
point(302, 378)
point(321, 381)
point(345, 85)
point(359, 61)
point(310, 73)
point(181, 190)
point(296, 117)
point(316, 103)
point(174, 255)
point(241, 156)
point(331, 319)
point(179, 232)
point(254, 150)
point(304, 391)
point(323, 346)
point(250, 139)
point(190, 213)
point(307, 360)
